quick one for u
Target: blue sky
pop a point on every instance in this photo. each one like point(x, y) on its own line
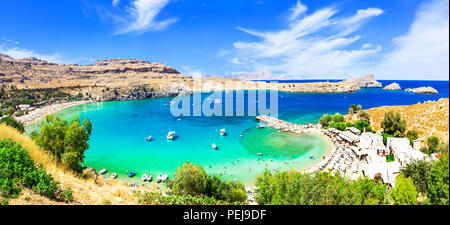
point(313, 39)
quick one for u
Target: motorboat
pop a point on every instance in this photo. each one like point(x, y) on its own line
point(114, 175)
point(131, 174)
point(149, 138)
point(214, 146)
point(149, 177)
point(144, 177)
point(103, 171)
point(159, 178)
point(223, 132)
point(164, 177)
point(170, 135)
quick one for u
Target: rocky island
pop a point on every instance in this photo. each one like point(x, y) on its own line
point(393, 86)
point(423, 90)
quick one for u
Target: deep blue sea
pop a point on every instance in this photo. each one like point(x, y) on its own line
point(119, 128)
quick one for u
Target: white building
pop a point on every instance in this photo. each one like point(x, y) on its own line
point(354, 130)
point(373, 142)
point(402, 150)
point(349, 137)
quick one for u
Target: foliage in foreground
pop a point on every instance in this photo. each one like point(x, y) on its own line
point(66, 141)
point(404, 192)
point(18, 170)
point(191, 179)
point(10, 121)
point(150, 198)
point(318, 188)
point(438, 182)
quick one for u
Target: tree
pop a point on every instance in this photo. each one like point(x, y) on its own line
point(438, 188)
point(340, 126)
point(418, 171)
point(338, 118)
point(412, 135)
point(371, 192)
point(361, 125)
point(432, 145)
point(363, 115)
point(67, 141)
point(359, 108)
point(393, 124)
point(10, 121)
point(325, 120)
point(404, 192)
point(352, 108)
point(190, 179)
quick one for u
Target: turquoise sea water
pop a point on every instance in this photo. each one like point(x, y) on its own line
point(119, 129)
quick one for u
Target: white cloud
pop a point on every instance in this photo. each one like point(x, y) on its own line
point(316, 44)
point(297, 10)
point(423, 53)
point(115, 2)
point(19, 53)
point(142, 17)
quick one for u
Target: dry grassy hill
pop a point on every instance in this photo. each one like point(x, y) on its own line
point(428, 119)
point(85, 190)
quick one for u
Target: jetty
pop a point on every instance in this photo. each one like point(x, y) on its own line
point(289, 127)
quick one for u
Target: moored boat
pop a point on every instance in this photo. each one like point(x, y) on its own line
point(131, 174)
point(223, 132)
point(214, 146)
point(103, 171)
point(170, 135)
point(114, 175)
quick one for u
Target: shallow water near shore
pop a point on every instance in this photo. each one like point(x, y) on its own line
point(119, 128)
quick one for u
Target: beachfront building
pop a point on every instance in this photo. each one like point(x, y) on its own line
point(349, 137)
point(354, 130)
point(402, 150)
point(388, 170)
point(373, 142)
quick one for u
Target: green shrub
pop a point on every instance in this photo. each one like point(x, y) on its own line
point(150, 198)
point(10, 121)
point(404, 192)
point(438, 182)
point(393, 124)
point(18, 170)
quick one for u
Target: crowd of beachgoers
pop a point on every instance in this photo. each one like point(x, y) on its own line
point(39, 113)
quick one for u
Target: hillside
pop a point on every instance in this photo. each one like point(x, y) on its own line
point(430, 118)
point(85, 190)
point(127, 79)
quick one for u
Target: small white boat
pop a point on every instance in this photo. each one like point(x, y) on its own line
point(149, 138)
point(103, 171)
point(214, 146)
point(223, 132)
point(164, 178)
point(114, 175)
point(159, 178)
point(259, 153)
point(149, 177)
point(144, 177)
point(170, 135)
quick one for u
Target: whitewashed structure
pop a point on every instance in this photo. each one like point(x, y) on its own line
point(402, 150)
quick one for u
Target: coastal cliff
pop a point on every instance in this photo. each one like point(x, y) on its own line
point(129, 79)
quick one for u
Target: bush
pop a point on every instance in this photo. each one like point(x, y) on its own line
point(404, 192)
point(360, 125)
point(338, 118)
point(191, 179)
point(363, 115)
point(18, 170)
point(10, 121)
point(67, 141)
point(318, 188)
point(438, 182)
point(150, 198)
point(385, 136)
point(325, 120)
point(418, 171)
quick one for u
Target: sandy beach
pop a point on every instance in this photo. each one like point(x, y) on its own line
point(39, 113)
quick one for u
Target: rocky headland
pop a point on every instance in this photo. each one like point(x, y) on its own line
point(129, 79)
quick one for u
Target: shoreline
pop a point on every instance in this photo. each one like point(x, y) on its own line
point(39, 113)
